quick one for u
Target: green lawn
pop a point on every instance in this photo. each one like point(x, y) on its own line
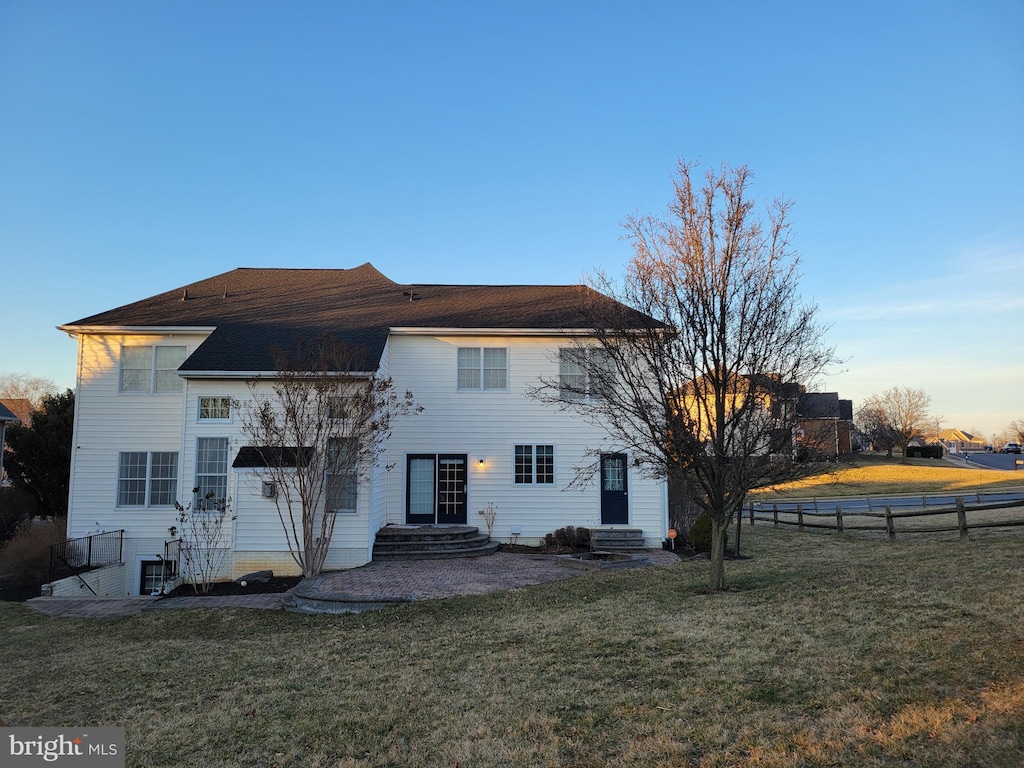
point(830, 651)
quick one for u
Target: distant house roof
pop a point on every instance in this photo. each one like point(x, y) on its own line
point(19, 409)
point(254, 310)
point(6, 414)
point(818, 405)
point(958, 434)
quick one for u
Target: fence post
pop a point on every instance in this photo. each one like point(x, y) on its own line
point(800, 517)
point(839, 518)
point(815, 505)
point(88, 555)
point(775, 515)
point(869, 503)
point(889, 526)
point(751, 513)
point(739, 524)
point(961, 517)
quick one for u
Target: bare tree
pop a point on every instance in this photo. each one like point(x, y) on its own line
point(1016, 429)
point(695, 368)
point(318, 431)
point(22, 386)
point(892, 419)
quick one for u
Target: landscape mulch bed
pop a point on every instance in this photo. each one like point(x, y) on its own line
point(225, 588)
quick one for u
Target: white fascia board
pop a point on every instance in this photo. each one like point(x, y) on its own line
point(136, 330)
point(406, 331)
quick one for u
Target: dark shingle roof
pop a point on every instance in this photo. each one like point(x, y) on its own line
point(254, 310)
point(818, 405)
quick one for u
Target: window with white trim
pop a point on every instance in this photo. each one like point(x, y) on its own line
point(214, 408)
point(582, 372)
point(147, 479)
point(482, 369)
point(535, 464)
point(150, 368)
point(342, 479)
point(211, 474)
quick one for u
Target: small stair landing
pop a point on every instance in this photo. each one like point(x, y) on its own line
point(431, 542)
point(615, 539)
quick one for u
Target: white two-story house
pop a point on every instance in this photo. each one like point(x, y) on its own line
point(154, 415)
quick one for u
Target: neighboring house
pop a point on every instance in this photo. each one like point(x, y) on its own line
point(7, 416)
point(21, 407)
point(826, 422)
point(154, 415)
point(958, 441)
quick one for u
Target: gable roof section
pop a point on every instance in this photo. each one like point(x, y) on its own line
point(254, 310)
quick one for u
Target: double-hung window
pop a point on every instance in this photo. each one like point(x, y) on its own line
point(535, 464)
point(211, 473)
point(483, 369)
point(147, 479)
point(151, 368)
point(342, 479)
point(583, 373)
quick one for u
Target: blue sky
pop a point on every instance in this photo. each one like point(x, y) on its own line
point(144, 146)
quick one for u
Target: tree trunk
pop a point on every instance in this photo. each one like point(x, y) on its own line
point(717, 580)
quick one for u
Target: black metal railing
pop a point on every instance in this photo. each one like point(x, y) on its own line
point(75, 556)
point(172, 555)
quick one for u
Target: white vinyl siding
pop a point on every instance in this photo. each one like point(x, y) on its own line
point(486, 427)
point(483, 369)
point(149, 368)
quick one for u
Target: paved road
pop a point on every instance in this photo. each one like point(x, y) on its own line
point(999, 461)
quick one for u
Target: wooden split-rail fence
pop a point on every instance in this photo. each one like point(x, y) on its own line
point(812, 515)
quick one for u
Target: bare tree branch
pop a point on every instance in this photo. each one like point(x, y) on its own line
point(318, 432)
point(695, 369)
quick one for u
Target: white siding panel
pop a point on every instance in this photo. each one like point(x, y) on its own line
point(488, 426)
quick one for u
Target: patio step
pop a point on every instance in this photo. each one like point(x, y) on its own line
point(618, 539)
point(423, 542)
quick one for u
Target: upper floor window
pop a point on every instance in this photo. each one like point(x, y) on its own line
point(583, 372)
point(214, 408)
point(147, 479)
point(151, 368)
point(483, 368)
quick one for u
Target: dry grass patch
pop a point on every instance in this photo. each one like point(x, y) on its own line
point(831, 651)
point(869, 475)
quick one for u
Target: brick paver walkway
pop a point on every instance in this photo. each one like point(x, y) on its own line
point(407, 579)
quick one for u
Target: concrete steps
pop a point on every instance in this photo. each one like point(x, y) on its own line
point(618, 539)
point(431, 542)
